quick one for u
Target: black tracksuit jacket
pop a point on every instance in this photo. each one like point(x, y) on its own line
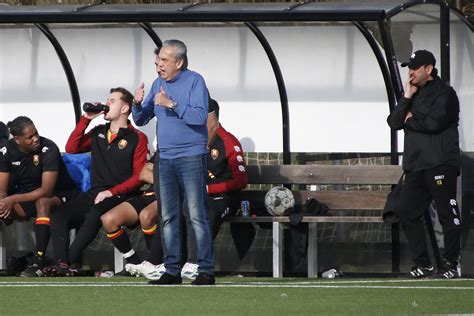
point(116, 166)
point(431, 135)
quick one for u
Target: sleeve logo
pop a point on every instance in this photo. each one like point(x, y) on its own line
point(214, 153)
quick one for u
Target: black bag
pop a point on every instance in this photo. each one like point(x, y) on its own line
point(390, 210)
point(312, 207)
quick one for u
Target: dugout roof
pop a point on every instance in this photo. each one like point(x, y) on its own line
point(209, 12)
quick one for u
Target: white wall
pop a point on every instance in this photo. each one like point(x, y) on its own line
point(336, 91)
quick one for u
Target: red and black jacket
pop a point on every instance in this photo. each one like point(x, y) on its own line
point(226, 164)
point(116, 166)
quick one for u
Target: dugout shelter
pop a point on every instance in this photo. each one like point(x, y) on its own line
point(52, 59)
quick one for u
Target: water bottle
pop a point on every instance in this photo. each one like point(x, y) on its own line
point(95, 108)
point(245, 208)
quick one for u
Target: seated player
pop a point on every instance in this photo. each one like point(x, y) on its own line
point(118, 154)
point(32, 167)
point(142, 210)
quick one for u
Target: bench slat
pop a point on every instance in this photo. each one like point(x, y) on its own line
point(307, 219)
point(335, 200)
point(324, 174)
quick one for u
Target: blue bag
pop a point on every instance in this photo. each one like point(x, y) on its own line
point(79, 168)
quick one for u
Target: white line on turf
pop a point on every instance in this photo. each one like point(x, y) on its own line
point(273, 281)
point(342, 281)
point(338, 285)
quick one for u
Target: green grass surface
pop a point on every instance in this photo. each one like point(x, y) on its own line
point(235, 296)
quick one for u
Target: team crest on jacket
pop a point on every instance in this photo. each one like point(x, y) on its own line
point(36, 160)
point(214, 154)
point(122, 144)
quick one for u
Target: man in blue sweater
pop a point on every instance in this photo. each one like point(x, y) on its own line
point(179, 100)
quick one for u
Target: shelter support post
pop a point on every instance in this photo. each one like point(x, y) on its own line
point(445, 43)
point(281, 89)
point(71, 79)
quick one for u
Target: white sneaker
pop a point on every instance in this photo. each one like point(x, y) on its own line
point(189, 271)
point(146, 269)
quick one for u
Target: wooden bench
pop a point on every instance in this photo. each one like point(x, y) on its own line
point(336, 199)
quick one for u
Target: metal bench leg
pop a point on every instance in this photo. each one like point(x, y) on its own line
point(3, 258)
point(118, 261)
point(277, 232)
point(312, 250)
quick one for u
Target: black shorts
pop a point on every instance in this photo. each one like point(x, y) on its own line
point(142, 201)
point(63, 195)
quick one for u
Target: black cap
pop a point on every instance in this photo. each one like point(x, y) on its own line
point(420, 58)
point(214, 107)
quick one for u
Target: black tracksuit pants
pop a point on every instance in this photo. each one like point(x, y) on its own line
point(219, 207)
point(80, 213)
point(419, 188)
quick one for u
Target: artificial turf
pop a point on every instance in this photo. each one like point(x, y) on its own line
point(235, 296)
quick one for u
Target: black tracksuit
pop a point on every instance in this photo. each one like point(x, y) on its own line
point(116, 167)
point(431, 162)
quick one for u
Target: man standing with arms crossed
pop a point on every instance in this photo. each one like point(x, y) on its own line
point(179, 100)
point(429, 114)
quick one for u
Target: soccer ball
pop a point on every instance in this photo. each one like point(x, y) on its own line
point(279, 201)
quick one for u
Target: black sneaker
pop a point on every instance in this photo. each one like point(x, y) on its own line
point(34, 269)
point(204, 279)
point(62, 269)
point(421, 272)
point(448, 270)
point(167, 278)
point(123, 273)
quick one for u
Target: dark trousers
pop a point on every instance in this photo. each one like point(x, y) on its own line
point(219, 207)
point(436, 184)
point(80, 213)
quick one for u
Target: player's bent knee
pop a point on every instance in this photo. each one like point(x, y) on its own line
point(109, 222)
point(148, 219)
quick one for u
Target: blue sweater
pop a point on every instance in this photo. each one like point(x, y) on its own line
point(183, 131)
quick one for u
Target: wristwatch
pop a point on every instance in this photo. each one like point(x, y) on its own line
point(173, 106)
point(136, 103)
